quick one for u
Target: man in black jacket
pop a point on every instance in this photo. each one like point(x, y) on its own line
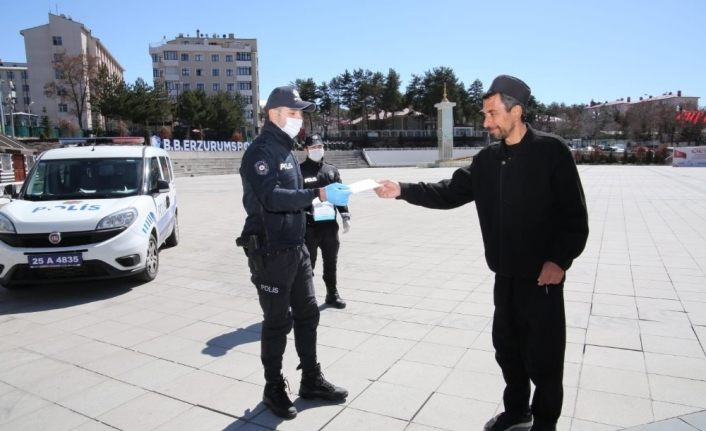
point(321, 225)
point(273, 239)
point(534, 223)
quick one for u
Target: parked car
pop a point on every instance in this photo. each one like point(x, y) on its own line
point(90, 212)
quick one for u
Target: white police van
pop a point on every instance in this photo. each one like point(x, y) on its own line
point(90, 212)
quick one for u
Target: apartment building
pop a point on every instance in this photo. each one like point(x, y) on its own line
point(211, 63)
point(14, 80)
point(677, 101)
point(44, 45)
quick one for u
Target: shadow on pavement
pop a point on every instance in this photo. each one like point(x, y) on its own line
point(218, 346)
point(43, 297)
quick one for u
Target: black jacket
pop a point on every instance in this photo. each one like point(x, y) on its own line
point(273, 190)
point(529, 200)
point(318, 175)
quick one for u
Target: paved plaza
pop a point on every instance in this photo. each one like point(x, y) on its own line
point(413, 347)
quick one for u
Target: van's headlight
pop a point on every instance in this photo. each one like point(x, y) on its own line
point(6, 225)
point(122, 218)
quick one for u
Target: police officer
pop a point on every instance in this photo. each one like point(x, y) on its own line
point(321, 225)
point(273, 238)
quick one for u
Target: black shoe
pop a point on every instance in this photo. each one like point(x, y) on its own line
point(275, 397)
point(314, 385)
point(505, 422)
point(332, 298)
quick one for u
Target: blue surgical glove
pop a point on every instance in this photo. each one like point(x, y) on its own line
point(337, 193)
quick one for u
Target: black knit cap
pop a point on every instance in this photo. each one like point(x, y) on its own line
point(288, 97)
point(510, 86)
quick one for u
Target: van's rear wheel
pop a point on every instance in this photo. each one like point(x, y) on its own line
point(149, 273)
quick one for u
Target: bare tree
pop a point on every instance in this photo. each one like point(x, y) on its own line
point(74, 75)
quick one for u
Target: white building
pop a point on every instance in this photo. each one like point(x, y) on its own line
point(211, 63)
point(14, 77)
point(46, 43)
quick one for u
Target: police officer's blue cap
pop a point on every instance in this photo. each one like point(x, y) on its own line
point(510, 86)
point(288, 97)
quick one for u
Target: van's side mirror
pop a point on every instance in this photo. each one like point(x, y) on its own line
point(162, 186)
point(10, 190)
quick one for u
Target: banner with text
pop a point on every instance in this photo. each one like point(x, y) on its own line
point(689, 156)
point(199, 145)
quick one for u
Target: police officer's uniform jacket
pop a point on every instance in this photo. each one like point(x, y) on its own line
point(273, 191)
point(318, 175)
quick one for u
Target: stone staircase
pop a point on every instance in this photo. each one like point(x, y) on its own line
point(198, 164)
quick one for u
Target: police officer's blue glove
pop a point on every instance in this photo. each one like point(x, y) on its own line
point(337, 193)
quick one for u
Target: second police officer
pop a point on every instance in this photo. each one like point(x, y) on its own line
point(321, 225)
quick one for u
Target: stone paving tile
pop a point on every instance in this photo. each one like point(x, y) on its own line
point(413, 346)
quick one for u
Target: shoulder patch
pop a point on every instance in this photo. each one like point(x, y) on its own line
point(261, 167)
point(331, 175)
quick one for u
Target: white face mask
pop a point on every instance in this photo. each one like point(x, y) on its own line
point(292, 126)
point(316, 154)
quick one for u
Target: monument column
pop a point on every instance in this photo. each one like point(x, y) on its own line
point(444, 128)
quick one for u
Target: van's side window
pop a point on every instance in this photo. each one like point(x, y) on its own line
point(153, 174)
point(166, 173)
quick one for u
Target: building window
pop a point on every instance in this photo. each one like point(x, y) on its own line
point(186, 86)
point(243, 56)
point(184, 57)
point(247, 100)
point(199, 86)
point(215, 58)
point(63, 107)
point(58, 74)
point(215, 72)
point(216, 86)
point(56, 41)
point(155, 73)
point(199, 72)
point(245, 85)
point(24, 75)
point(245, 71)
point(198, 57)
point(27, 101)
point(230, 87)
point(185, 71)
point(58, 57)
point(229, 72)
point(155, 58)
point(248, 113)
point(229, 58)
point(25, 88)
point(170, 55)
point(10, 75)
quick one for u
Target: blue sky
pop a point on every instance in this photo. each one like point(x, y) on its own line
point(567, 51)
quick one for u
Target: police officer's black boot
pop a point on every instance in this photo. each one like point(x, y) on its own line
point(275, 397)
point(332, 297)
point(314, 385)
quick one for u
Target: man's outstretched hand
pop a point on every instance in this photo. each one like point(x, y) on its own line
point(388, 189)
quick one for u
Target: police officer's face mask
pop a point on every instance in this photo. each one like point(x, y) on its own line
point(316, 154)
point(292, 126)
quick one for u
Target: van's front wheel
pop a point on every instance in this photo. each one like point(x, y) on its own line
point(149, 273)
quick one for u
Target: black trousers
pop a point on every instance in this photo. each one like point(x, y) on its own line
point(286, 293)
point(529, 336)
point(325, 236)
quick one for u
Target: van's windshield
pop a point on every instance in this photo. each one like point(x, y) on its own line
point(84, 179)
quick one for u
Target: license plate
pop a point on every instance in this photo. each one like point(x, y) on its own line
point(55, 260)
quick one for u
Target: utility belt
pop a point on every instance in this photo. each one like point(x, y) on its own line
point(254, 250)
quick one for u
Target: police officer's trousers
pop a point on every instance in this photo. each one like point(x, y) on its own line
point(325, 236)
point(286, 293)
point(529, 335)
